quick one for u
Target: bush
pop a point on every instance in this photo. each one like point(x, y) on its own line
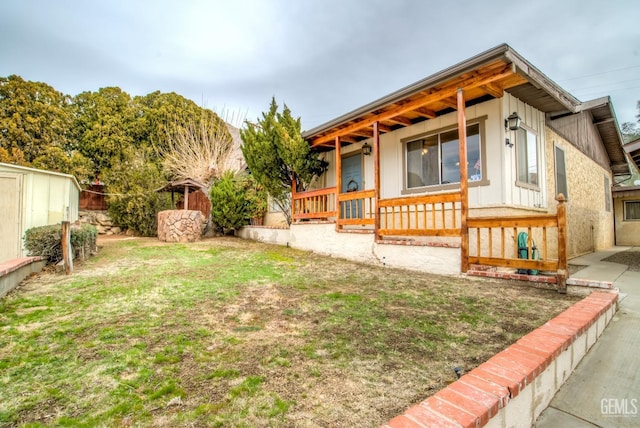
point(46, 241)
point(133, 202)
point(229, 203)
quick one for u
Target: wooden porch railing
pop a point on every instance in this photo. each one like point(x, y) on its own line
point(356, 208)
point(494, 242)
point(434, 215)
point(314, 204)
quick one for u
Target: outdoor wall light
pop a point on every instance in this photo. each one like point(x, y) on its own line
point(366, 149)
point(512, 122)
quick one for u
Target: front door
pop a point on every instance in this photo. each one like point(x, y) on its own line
point(351, 182)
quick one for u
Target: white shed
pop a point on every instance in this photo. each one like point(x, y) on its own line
point(29, 198)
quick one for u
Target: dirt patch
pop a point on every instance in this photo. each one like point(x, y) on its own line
point(630, 258)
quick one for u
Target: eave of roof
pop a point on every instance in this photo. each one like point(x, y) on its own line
point(605, 121)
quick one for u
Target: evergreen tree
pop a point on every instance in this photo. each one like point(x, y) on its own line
point(275, 153)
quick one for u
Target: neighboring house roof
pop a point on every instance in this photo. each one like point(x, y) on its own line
point(482, 77)
point(633, 149)
point(26, 170)
point(626, 192)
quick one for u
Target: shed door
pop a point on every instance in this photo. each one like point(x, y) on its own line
point(10, 217)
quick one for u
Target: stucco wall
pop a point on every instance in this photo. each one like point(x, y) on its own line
point(627, 231)
point(322, 238)
point(589, 226)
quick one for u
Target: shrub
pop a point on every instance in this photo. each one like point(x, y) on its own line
point(46, 241)
point(229, 203)
point(133, 202)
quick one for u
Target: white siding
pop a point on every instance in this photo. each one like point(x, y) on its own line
point(534, 120)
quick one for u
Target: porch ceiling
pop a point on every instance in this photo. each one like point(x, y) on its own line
point(483, 77)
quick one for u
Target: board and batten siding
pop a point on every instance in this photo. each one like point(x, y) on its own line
point(533, 120)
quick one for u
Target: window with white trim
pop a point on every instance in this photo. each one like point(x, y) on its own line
point(631, 210)
point(527, 157)
point(434, 160)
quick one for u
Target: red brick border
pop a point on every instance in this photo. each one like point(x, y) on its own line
point(15, 264)
point(480, 394)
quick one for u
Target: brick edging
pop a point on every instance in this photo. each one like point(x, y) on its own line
point(482, 393)
point(15, 264)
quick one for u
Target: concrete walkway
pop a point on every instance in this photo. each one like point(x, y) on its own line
point(604, 390)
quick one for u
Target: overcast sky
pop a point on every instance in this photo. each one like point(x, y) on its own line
point(323, 58)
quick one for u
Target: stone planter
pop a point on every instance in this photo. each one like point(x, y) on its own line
point(180, 225)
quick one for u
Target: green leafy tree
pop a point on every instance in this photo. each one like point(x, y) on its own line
point(131, 183)
point(275, 153)
point(53, 158)
point(33, 117)
point(104, 126)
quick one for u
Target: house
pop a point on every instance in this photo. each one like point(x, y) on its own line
point(396, 193)
point(626, 203)
point(29, 198)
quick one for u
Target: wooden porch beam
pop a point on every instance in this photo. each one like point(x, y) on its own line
point(493, 89)
point(338, 180)
point(445, 92)
point(376, 178)
point(401, 120)
point(450, 102)
point(363, 133)
point(464, 183)
point(383, 128)
point(425, 112)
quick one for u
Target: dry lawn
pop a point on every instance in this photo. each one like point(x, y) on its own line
point(227, 332)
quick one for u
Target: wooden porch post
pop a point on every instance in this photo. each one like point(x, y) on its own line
point(186, 198)
point(562, 244)
point(293, 196)
point(464, 183)
point(338, 179)
point(376, 180)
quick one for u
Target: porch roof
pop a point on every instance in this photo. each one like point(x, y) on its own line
point(482, 77)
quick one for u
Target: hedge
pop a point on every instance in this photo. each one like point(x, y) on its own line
point(46, 241)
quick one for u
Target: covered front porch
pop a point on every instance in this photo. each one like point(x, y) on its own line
point(431, 219)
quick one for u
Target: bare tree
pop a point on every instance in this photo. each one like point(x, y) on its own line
point(202, 150)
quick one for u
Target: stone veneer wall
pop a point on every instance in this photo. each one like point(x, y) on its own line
point(180, 225)
point(101, 220)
